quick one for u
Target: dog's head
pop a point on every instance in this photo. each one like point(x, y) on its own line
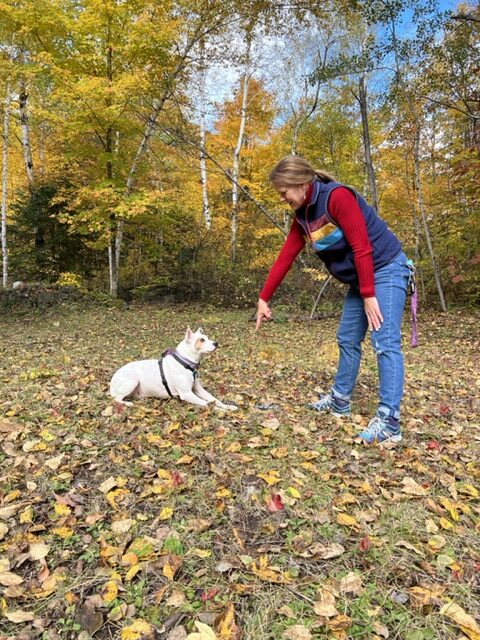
point(199, 342)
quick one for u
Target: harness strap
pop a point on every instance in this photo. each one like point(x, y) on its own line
point(164, 380)
point(187, 364)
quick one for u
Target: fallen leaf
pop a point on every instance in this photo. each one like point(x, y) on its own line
point(325, 609)
point(138, 630)
point(275, 503)
point(261, 569)
point(226, 625)
point(351, 583)
point(8, 579)
point(465, 621)
point(171, 566)
point(38, 550)
point(204, 633)
point(121, 527)
point(347, 521)
point(297, 632)
point(19, 616)
point(411, 487)
point(271, 477)
point(325, 552)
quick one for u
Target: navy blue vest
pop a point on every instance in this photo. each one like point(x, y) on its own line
point(327, 239)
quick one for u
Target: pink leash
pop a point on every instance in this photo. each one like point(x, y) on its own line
point(413, 306)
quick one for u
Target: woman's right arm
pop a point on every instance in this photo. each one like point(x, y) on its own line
point(290, 250)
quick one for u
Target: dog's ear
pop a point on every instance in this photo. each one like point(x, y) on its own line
point(200, 330)
point(188, 334)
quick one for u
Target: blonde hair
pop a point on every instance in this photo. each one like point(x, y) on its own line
point(293, 170)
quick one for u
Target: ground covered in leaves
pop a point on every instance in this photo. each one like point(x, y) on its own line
point(171, 521)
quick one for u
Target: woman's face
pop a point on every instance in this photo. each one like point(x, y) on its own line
point(294, 195)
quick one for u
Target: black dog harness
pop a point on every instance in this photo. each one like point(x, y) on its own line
point(185, 362)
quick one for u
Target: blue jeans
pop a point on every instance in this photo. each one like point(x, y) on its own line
point(391, 292)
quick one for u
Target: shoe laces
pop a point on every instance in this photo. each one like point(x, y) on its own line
point(376, 426)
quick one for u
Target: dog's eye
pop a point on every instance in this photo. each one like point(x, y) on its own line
point(202, 339)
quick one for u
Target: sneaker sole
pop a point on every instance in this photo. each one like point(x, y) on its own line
point(391, 440)
point(329, 412)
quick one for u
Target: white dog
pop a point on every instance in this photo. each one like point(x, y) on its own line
point(174, 375)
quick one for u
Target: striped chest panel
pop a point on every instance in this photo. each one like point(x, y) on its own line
point(322, 234)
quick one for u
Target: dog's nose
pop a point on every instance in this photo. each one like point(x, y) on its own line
point(215, 344)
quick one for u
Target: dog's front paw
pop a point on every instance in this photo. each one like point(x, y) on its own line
point(225, 407)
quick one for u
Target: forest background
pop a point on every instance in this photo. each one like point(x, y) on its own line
point(138, 137)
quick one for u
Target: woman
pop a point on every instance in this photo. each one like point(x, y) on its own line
point(358, 249)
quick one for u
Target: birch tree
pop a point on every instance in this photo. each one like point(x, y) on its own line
point(5, 150)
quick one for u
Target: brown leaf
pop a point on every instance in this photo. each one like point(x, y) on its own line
point(297, 632)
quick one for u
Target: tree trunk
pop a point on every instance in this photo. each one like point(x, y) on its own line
point(236, 163)
point(207, 217)
point(423, 215)
point(6, 131)
point(363, 102)
point(25, 129)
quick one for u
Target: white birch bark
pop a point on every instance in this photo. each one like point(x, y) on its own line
point(236, 163)
point(5, 136)
point(25, 130)
point(207, 216)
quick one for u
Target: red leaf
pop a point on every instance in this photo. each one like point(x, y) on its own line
point(433, 444)
point(365, 544)
point(275, 503)
point(176, 479)
point(445, 409)
point(209, 594)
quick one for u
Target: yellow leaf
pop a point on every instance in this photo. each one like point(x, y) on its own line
point(261, 569)
point(445, 524)
point(186, 459)
point(200, 553)
point(234, 447)
point(223, 492)
point(116, 494)
point(293, 492)
point(10, 497)
point(166, 513)
point(451, 508)
point(271, 477)
point(62, 509)
point(226, 627)
point(171, 566)
point(173, 426)
point(347, 521)
point(110, 591)
point(469, 490)
point(26, 516)
point(136, 630)
point(465, 621)
point(132, 572)
point(63, 532)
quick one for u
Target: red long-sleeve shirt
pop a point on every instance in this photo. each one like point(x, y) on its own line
point(344, 210)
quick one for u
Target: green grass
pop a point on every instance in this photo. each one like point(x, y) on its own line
point(54, 373)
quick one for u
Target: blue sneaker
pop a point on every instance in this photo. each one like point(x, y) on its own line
point(381, 430)
point(330, 404)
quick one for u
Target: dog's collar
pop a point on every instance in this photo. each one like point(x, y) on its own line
point(185, 362)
